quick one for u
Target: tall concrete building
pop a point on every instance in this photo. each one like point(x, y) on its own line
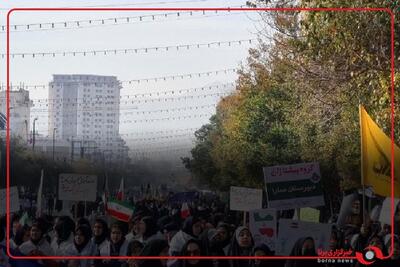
point(84, 109)
point(20, 108)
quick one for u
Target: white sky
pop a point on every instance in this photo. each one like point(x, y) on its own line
point(172, 30)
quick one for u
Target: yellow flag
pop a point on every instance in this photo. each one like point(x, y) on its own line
point(376, 157)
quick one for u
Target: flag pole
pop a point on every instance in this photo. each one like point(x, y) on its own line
point(362, 163)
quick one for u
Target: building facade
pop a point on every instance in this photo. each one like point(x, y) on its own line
point(84, 110)
point(20, 109)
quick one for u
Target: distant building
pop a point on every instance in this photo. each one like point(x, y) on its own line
point(84, 110)
point(20, 108)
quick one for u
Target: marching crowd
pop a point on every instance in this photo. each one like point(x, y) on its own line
point(159, 229)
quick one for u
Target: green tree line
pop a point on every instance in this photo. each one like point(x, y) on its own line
point(297, 96)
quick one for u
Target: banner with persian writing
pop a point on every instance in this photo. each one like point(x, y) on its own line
point(293, 186)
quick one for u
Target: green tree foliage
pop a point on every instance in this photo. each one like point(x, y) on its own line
point(297, 98)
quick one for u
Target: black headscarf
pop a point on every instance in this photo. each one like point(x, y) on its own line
point(99, 239)
point(64, 227)
point(188, 224)
point(267, 251)
point(151, 227)
point(40, 227)
point(153, 248)
point(134, 245)
point(19, 236)
point(236, 250)
point(265, 248)
point(225, 242)
point(297, 251)
point(202, 263)
point(87, 234)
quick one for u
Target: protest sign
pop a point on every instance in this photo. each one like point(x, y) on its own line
point(14, 200)
point(245, 199)
point(290, 231)
point(263, 227)
point(309, 215)
point(385, 216)
point(293, 186)
point(77, 187)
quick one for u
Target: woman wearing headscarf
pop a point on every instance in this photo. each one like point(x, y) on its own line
point(224, 236)
point(148, 230)
point(241, 245)
point(100, 235)
point(22, 235)
point(211, 240)
point(63, 235)
point(118, 246)
point(81, 247)
point(156, 247)
point(37, 245)
point(193, 248)
point(260, 251)
point(134, 249)
point(303, 247)
point(191, 229)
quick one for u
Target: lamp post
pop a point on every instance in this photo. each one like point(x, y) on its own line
point(54, 139)
point(33, 134)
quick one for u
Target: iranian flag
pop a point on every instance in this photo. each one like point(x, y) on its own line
point(120, 194)
point(119, 210)
point(185, 211)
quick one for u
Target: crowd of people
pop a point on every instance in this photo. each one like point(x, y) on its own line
point(158, 229)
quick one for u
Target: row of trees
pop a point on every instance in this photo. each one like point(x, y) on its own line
point(297, 98)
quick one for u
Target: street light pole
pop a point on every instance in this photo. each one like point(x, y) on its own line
point(54, 138)
point(33, 134)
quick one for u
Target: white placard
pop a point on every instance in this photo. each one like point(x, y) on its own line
point(290, 231)
point(14, 200)
point(385, 216)
point(77, 187)
point(245, 199)
point(263, 227)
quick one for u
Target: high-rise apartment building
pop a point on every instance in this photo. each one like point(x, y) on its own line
point(85, 108)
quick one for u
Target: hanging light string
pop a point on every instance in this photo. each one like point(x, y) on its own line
point(160, 148)
point(162, 137)
point(124, 98)
point(170, 118)
point(130, 50)
point(111, 21)
point(155, 143)
point(156, 152)
point(146, 112)
point(149, 100)
point(138, 81)
point(166, 131)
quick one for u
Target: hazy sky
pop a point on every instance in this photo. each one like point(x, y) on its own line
point(163, 31)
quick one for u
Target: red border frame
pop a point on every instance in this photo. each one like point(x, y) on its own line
point(359, 9)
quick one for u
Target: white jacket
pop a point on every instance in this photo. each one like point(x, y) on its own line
point(88, 250)
point(177, 242)
point(61, 249)
point(42, 246)
point(105, 250)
